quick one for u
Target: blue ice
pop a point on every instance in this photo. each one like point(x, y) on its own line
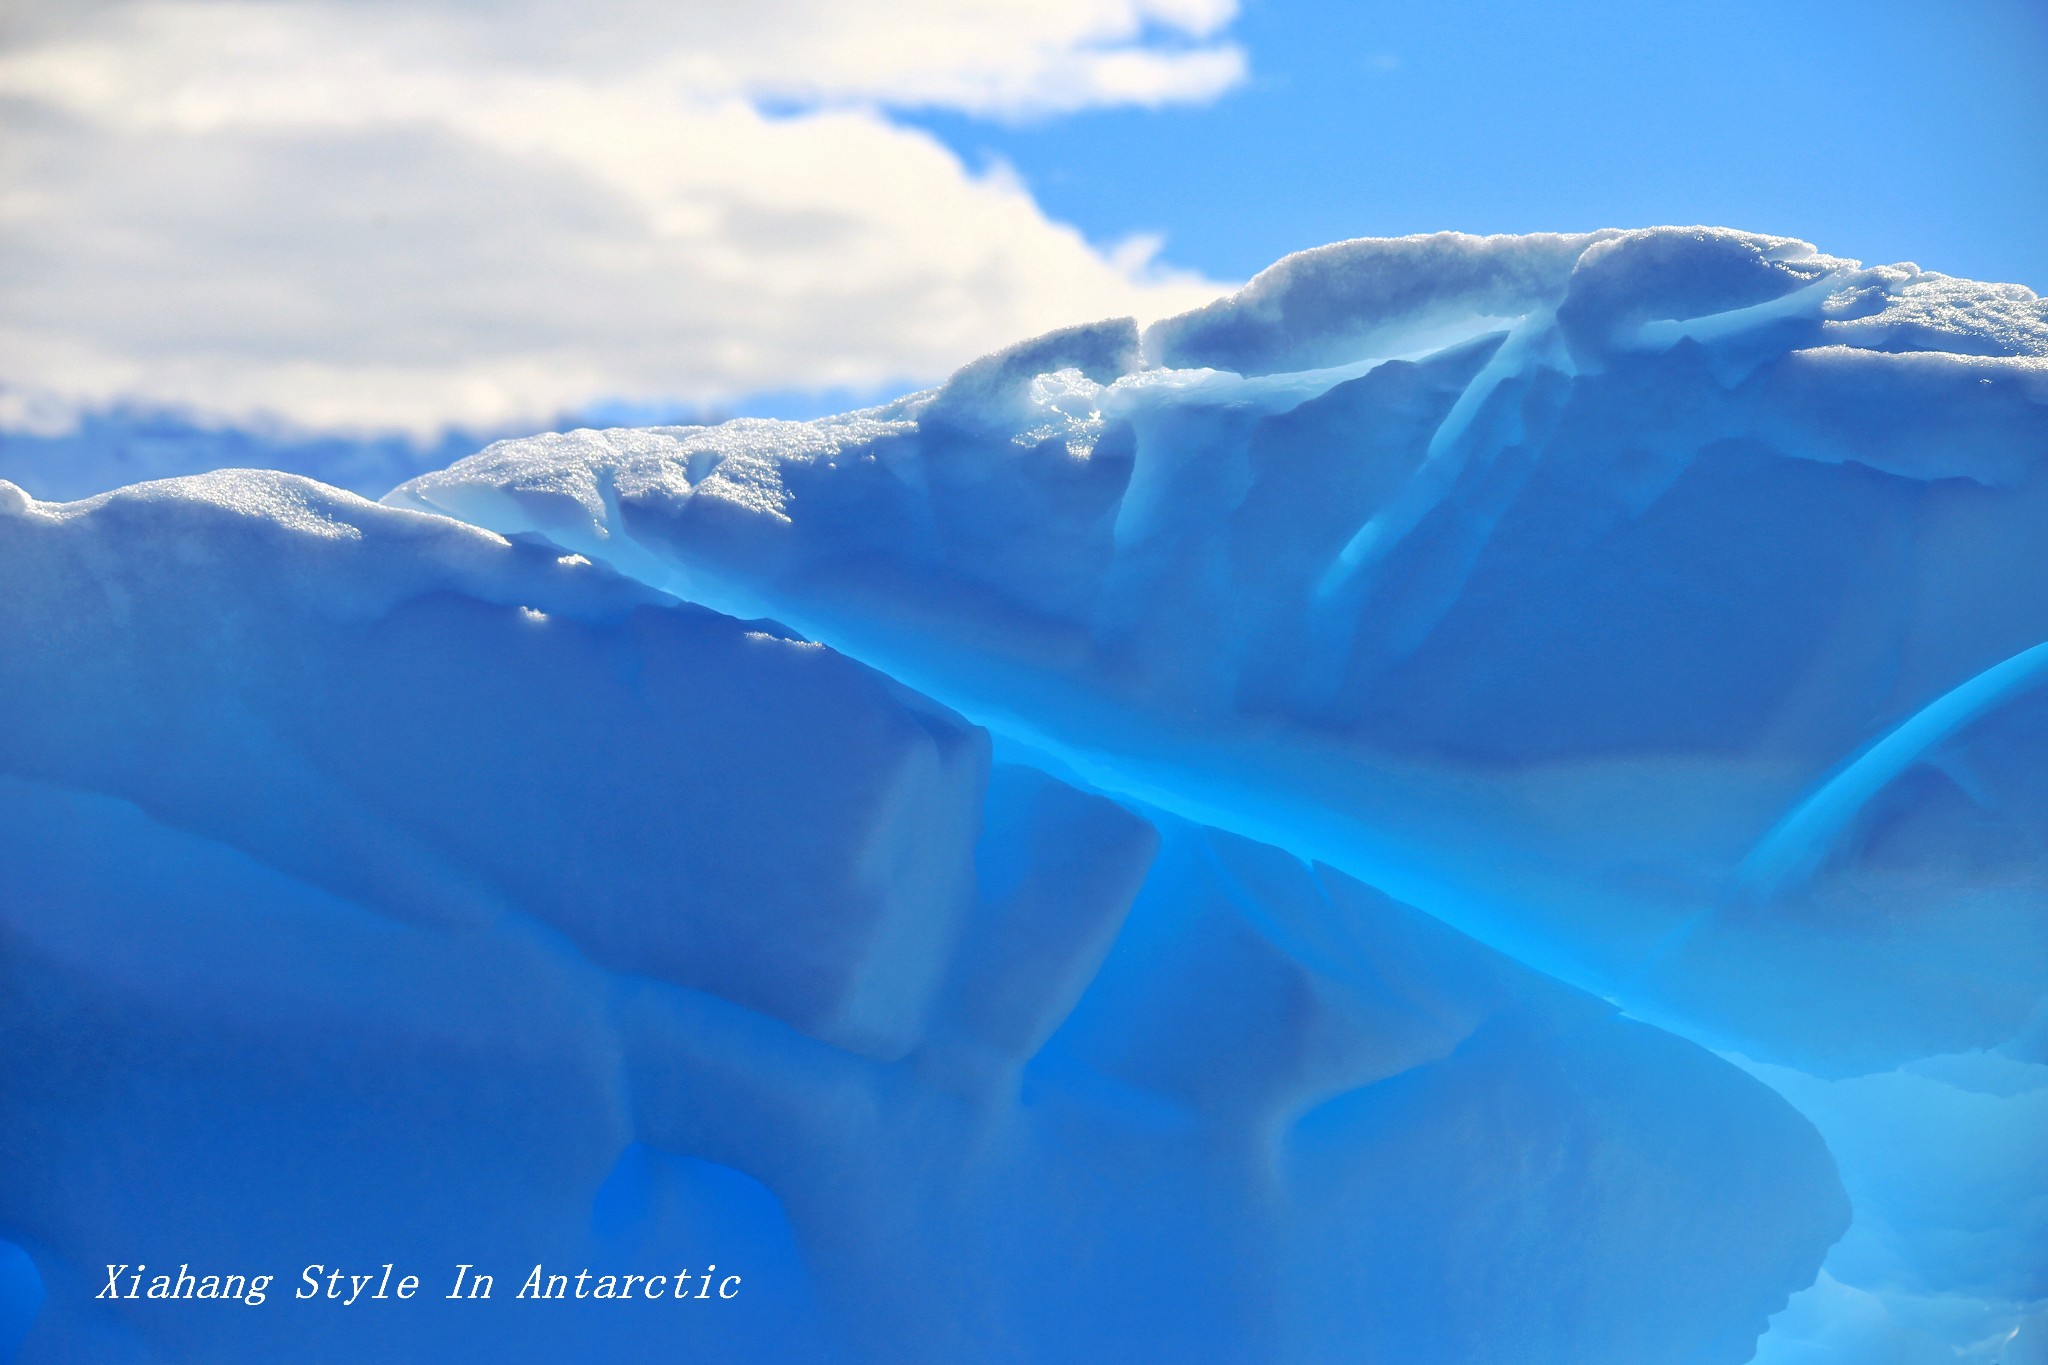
point(1480, 800)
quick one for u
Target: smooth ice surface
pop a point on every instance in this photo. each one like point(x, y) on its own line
point(382, 889)
point(1663, 609)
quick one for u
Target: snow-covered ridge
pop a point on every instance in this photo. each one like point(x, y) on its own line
point(1396, 296)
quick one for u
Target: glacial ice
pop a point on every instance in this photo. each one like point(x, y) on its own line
point(384, 886)
point(1481, 800)
point(1557, 630)
point(1661, 608)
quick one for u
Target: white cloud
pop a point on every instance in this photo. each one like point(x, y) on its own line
point(361, 215)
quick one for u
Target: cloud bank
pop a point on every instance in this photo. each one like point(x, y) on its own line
point(374, 216)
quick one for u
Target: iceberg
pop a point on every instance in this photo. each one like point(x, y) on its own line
point(1641, 603)
point(383, 885)
point(1479, 800)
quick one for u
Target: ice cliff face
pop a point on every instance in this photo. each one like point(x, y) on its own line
point(1655, 605)
point(1193, 929)
point(380, 885)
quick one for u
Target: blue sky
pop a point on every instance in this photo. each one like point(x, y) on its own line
point(311, 222)
point(1884, 130)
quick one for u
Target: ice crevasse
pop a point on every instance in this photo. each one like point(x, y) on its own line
point(1479, 800)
